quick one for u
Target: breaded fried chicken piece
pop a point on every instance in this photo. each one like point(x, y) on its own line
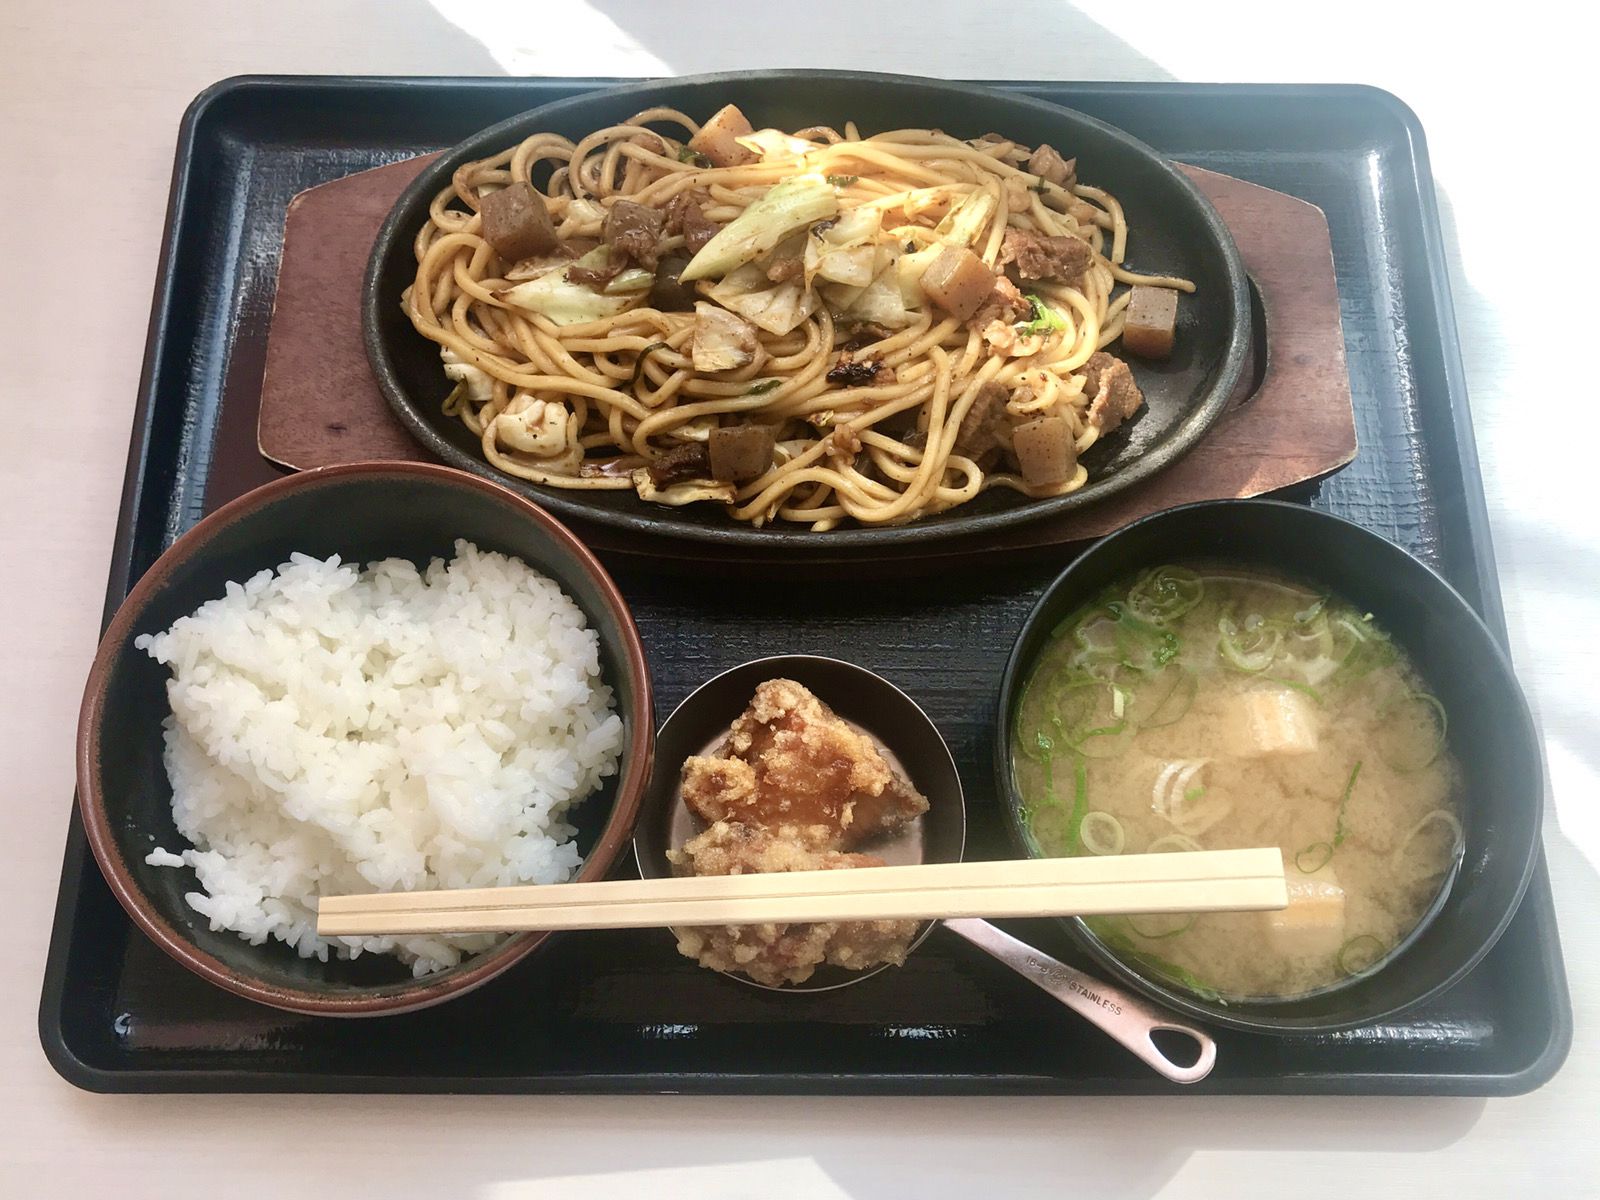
point(791, 761)
point(771, 953)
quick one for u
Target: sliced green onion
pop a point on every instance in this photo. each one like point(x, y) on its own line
point(1153, 964)
point(1175, 702)
point(1360, 953)
point(1305, 689)
point(1458, 839)
point(1338, 820)
point(1250, 649)
point(1311, 611)
point(1080, 802)
point(1076, 704)
point(1044, 321)
point(1433, 713)
point(1101, 833)
point(1141, 645)
point(1367, 649)
point(1165, 594)
point(1313, 858)
point(1155, 927)
point(1097, 639)
point(762, 388)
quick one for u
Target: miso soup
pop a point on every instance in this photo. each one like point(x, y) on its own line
point(1209, 707)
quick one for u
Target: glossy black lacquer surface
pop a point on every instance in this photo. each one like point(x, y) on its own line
point(621, 1011)
point(1491, 736)
point(1175, 231)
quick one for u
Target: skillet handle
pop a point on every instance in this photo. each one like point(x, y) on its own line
point(1126, 1018)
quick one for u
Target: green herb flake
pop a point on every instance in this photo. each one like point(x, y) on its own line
point(1045, 320)
point(842, 181)
point(638, 363)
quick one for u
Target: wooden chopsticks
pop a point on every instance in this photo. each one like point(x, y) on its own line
point(1204, 881)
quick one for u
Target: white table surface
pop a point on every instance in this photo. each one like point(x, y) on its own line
point(91, 92)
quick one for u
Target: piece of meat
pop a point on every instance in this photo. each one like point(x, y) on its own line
point(810, 768)
point(1151, 321)
point(957, 281)
point(1005, 303)
point(718, 138)
point(634, 232)
point(597, 276)
point(1038, 257)
point(849, 373)
point(842, 445)
point(1045, 451)
point(1113, 394)
point(684, 215)
point(516, 223)
point(776, 954)
point(980, 435)
point(1050, 166)
point(862, 336)
point(681, 464)
point(668, 292)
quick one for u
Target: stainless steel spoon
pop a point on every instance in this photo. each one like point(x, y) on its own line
point(1124, 1017)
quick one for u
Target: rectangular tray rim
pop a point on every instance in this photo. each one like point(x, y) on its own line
point(75, 1070)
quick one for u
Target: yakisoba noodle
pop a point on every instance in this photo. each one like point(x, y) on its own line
point(876, 403)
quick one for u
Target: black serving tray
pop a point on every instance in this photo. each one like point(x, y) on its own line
point(620, 1011)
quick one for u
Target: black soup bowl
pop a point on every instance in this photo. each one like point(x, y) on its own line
point(1491, 733)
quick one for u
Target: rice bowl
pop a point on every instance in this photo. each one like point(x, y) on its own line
point(337, 730)
point(361, 513)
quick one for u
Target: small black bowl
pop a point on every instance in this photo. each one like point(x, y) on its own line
point(870, 702)
point(1491, 734)
point(361, 512)
point(1173, 230)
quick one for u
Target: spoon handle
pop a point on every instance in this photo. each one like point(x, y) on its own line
point(1125, 1017)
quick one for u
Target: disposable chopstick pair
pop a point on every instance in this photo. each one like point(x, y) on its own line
point(1204, 881)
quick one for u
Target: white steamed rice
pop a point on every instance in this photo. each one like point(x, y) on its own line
point(336, 730)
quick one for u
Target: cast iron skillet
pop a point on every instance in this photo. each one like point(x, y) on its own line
point(1174, 229)
point(1490, 732)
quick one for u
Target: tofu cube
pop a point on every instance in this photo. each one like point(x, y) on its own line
point(1273, 721)
point(1314, 922)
